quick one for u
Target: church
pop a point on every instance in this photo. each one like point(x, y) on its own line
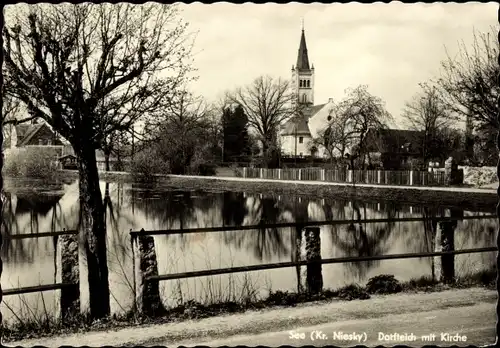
point(297, 134)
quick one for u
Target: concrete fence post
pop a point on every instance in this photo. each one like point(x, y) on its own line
point(147, 293)
point(244, 172)
point(447, 244)
point(379, 176)
point(261, 173)
point(70, 274)
point(322, 175)
point(300, 174)
point(279, 173)
point(411, 177)
point(314, 276)
point(349, 175)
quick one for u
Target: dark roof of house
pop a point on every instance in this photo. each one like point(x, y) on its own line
point(302, 57)
point(27, 133)
point(21, 129)
point(67, 156)
point(394, 140)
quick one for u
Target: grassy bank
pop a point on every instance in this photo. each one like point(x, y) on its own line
point(485, 201)
point(482, 200)
point(383, 284)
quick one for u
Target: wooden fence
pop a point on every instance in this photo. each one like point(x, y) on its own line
point(69, 296)
point(379, 177)
point(146, 278)
point(146, 275)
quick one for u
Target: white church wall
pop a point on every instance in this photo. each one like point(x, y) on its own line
point(288, 145)
point(319, 121)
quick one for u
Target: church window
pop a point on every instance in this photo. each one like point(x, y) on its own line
point(301, 140)
point(300, 83)
point(308, 83)
point(304, 98)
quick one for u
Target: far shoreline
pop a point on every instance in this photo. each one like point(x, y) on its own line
point(468, 198)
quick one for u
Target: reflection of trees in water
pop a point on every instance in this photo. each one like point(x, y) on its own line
point(233, 208)
point(182, 209)
point(117, 218)
point(264, 243)
point(35, 206)
point(355, 239)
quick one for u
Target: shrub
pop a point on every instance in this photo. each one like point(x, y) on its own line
point(200, 166)
point(205, 169)
point(145, 166)
point(383, 284)
point(352, 292)
point(31, 163)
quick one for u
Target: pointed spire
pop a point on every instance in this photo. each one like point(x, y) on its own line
point(302, 58)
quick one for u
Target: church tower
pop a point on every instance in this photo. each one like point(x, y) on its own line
point(303, 76)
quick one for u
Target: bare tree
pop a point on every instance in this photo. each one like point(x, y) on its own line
point(427, 113)
point(11, 108)
point(468, 85)
point(338, 136)
point(267, 102)
point(90, 70)
point(359, 112)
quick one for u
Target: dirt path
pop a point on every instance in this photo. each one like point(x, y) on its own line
point(275, 319)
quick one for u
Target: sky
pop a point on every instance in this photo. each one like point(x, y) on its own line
point(389, 47)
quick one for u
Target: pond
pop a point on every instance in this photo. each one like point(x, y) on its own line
point(44, 207)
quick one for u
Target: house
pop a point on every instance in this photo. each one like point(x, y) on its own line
point(395, 147)
point(31, 135)
point(37, 137)
point(69, 162)
point(297, 133)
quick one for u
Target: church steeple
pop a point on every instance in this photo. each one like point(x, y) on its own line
point(303, 58)
point(303, 75)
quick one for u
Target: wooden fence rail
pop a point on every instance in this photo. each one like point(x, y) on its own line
point(40, 235)
point(276, 265)
point(37, 288)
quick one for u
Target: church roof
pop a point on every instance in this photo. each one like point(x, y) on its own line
point(303, 58)
point(296, 126)
point(316, 108)
point(301, 123)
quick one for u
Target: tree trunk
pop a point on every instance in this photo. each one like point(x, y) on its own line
point(106, 160)
point(265, 155)
point(93, 232)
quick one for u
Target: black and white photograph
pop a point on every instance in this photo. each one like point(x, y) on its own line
point(243, 174)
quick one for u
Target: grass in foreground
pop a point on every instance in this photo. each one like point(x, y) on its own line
point(382, 284)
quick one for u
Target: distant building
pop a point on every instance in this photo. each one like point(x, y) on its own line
point(394, 147)
point(35, 136)
point(69, 162)
point(297, 134)
point(32, 134)
point(41, 137)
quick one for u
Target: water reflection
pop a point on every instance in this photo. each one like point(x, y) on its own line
point(132, 207)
